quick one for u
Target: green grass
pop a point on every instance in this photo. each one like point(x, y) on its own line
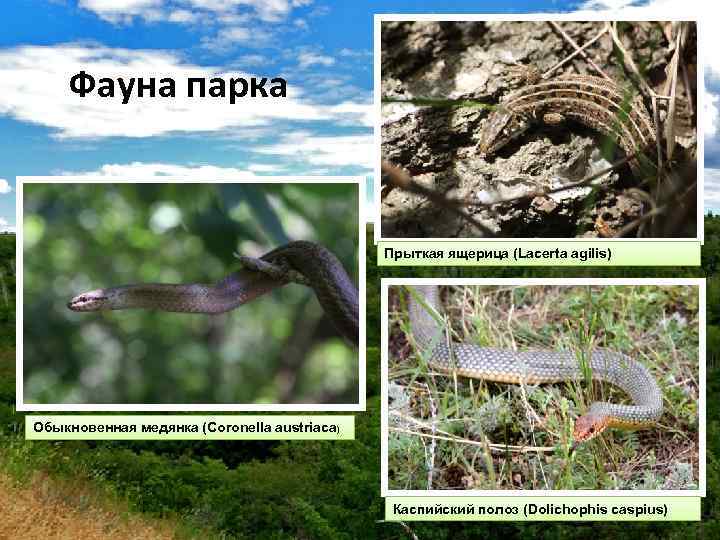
point(303, 488)
point(658, 326)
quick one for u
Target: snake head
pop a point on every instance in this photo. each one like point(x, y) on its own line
point(89, 301)
point(589, 426)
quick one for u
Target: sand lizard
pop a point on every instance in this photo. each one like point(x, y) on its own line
point(595, 102)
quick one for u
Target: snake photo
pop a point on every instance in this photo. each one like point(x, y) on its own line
point(300, 261)
point(536, 367)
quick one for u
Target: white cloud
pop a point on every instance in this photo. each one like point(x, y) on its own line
point(351, 53)
point(123, 11)
point(310, 155)
point(183, 16)
point(232, 18)
point(266, 168)
point(34, 87)
point(139, 171)
point(337, 151)
point(307, 59)
point(354, 114)
point(711, 44)
point(183, 11)
point(5, 186)
point(319, 11)
point(630, 8)
point(254, 60)
point(267, 10)
point(301, 153)
point(712, 189)
point(710, 118)
point(4, 227)
point(228, 38)
point(226, 24)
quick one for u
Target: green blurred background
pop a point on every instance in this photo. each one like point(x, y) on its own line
point(278, 349)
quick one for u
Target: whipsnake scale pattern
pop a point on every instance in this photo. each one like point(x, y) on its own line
point(535, 367)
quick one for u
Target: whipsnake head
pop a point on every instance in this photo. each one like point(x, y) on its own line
point(589, 426)
point(90, 301)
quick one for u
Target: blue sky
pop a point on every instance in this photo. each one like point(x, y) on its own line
point(323, 49)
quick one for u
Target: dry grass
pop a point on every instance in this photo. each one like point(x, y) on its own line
point(51, 510)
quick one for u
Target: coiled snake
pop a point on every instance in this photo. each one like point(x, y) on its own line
point(534, 367)
point(302, 262)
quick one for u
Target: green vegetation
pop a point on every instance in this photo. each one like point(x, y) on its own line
point(7, 285)
point(319, 489)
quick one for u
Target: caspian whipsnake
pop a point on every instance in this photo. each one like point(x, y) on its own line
point(543, 366)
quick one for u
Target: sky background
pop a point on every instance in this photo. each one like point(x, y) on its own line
point(323, 48)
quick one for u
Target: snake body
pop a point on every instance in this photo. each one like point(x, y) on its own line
point(317, 266)
point(535, 367)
